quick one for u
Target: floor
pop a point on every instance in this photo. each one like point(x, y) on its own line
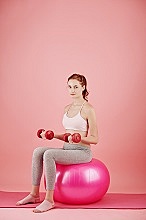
point(73, 214)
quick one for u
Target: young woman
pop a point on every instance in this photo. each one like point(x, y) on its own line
point(79, 117)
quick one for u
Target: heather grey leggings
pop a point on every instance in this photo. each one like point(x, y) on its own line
point(69, 154)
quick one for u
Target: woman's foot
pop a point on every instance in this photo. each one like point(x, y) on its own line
point(29, 199)
point(44, 206)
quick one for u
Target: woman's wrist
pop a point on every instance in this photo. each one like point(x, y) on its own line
point(56, 135)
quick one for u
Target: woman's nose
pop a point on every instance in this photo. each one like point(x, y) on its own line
point(72, 90)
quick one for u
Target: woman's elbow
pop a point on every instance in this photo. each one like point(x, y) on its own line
point(95, 141)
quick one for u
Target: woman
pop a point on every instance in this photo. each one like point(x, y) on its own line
point(79, 117)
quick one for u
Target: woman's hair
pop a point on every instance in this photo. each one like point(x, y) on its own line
point(82, 81)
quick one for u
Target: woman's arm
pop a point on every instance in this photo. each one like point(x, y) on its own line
point(59, 136)
point(92, 137)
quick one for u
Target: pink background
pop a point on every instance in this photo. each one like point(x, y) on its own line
point(42, 43)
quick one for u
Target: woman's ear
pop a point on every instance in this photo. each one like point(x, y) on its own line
point(83, 88)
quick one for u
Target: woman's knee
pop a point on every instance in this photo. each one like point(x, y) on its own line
point(48, 154)
point(38, 152)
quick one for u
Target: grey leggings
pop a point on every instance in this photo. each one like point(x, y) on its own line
point(69, 154)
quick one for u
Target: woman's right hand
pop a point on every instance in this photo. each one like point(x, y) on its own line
point(43, 135)
point(70, 139)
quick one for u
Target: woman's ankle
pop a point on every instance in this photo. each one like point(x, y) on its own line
point(50, 196)
point(35, 195)
point(49, 199)
point(35, 191)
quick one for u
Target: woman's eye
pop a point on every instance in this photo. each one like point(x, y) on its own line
point(76, 87)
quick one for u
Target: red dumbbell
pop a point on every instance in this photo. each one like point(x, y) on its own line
point(76, 137)
point(39, 132)
point(49, 135)
point(65, 137)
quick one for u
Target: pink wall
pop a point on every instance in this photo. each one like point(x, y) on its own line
point(42, 42)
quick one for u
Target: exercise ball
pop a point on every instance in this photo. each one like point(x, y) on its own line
point(81, 183)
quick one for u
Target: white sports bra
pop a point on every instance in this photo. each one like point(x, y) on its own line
point(76, 122)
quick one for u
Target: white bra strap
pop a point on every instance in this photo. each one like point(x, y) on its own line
point(68, 109)
point(82, 106)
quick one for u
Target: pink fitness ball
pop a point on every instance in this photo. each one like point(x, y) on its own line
point(81, 183)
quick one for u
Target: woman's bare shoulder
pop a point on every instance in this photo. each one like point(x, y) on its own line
point(89, 110)
point(89, 107)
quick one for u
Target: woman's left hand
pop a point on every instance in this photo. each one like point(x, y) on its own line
point(70, 139)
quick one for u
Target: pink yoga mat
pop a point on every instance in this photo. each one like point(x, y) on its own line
point(109, 201)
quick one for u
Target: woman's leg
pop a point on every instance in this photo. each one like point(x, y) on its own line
point(61, 156)
point(37, 170)
point(37, 167)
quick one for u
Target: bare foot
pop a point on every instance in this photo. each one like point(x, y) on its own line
point(28, 199)
point(44, 207)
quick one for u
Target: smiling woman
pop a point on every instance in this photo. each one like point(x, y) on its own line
point(79, 121)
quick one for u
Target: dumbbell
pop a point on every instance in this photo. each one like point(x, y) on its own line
point(48, 135)
point(76, 137)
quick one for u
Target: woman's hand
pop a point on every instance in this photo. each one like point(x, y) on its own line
point(43, 135)
point(70, 139)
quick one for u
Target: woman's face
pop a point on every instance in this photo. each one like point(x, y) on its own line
point(75, 88)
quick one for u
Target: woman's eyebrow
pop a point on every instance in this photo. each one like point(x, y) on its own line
point(73, 85)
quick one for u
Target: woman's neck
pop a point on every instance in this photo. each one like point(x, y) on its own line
point(78, 101)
